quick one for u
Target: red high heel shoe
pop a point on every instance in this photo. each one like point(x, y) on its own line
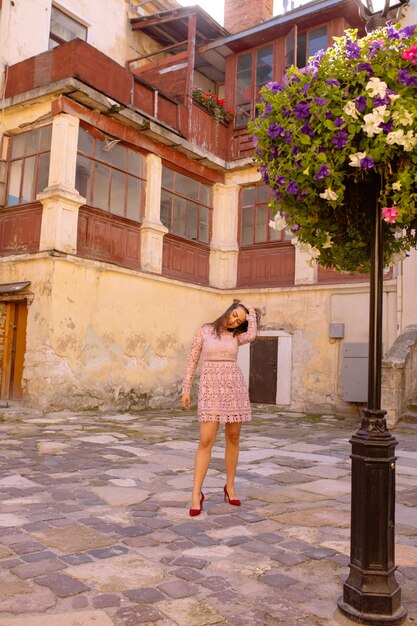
point(195, 512)
point(226, 497)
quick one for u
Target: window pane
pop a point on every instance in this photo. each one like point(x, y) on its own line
point(263, 66)
point(32, 141)
point(45, 138)
point(133, 198)
point(29, 180)
point(83, 178)
point(187, 186)
point(301, 50)
point(275, 235)
point(15, 177)
point(18, 146)
point(179, 217)
point(191, 222)
point(167, 178)
point(244, 84)
point(317, 40)
point(262, 193)
point(205, 194)
point(261, 233)
point(204, 225)
point(101, 186)
point(65, 27)
point(289, 49)
point(85, 141)
point(247, 225)
point(117, 193)
point(113, 154)
point(43, 172)
point(166, 203)
point(244, 62)
point(242, 114)
point(135, 163)
point(248, 196)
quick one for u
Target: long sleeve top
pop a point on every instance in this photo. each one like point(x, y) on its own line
point(207, 346)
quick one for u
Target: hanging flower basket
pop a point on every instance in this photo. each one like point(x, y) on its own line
point(339, 135)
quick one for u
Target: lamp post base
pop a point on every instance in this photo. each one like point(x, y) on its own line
point(371, 618)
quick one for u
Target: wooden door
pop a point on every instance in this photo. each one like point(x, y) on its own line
point(14, 350)
point(263, 370)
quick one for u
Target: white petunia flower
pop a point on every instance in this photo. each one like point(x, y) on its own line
point(350, 109)
point(355, 159)
point(376, 87)
point(278, 223)
point(403, 117)
point(329, 194)
point(328, 243)
point(396, 186)
point(409, 141)
point(396, 136)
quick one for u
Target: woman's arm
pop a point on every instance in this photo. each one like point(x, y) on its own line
point(191, 366)
point(252, 331)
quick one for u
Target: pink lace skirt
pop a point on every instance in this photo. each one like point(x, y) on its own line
point(222, 394)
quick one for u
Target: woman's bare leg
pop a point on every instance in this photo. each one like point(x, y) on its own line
point(208, 432)
point(232, 433)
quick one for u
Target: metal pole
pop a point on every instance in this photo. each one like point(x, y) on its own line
point(371, 594)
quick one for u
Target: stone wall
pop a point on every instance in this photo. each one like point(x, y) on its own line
point(399, 380)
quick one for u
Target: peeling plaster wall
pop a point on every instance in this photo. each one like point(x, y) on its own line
point(102, 336)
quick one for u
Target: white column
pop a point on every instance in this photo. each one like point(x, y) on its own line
point(224, 247)
point(152, 230)
point(408, 277)
point(305, 268)
point(60, 199)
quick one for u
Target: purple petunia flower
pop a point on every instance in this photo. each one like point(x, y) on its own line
point(274, 86)
point(255, 140)
point(339, 121)
point(405, 78)
point(268, 108)
point(295, 150)
point(379, 102)
point(407, 31)
point(295, 228)
point(307, 130)
point(286, 111)
point(367, 163)
point(280, 180)
point(392, 33)
point(293, 188)
point(387, 126)
point(306, 87)
point(352, 50)
point(277, 194)
point(321, 101)
point(374, 48)
point(332, 81)
point(329, 115)
point(360, 103)
point(301, 110)
point(366, 67)
point(274, 152)
point(341, 139)
point(275, 130)
point(323, 171)
point(288, 137)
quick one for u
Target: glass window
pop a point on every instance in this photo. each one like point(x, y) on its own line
point(317, 40)
point(110, 175)
point(254, 69)
point(64, 28)
point(256, 215)
point(263, 67)
point(185, 206)
point(28, 170)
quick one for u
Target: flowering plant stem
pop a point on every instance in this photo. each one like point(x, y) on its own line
point(344, 122)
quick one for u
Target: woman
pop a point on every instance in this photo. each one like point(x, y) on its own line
point(223, 395)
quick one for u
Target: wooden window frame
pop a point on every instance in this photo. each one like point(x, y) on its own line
point(56, 38)
point(254, 86)
point(264, 203)
point(177, 194)
point(113, 168)
point(23, 158)
point(297, 33)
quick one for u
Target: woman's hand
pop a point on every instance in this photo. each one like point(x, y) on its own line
point(185, 401)
point(247, 306)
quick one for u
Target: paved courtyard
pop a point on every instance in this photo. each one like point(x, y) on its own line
point(94, 525)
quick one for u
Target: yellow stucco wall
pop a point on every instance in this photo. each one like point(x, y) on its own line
point(99, 335)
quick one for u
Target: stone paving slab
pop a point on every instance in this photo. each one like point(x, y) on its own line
point(94, 525)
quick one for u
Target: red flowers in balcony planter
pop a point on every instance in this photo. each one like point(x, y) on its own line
point(215, 105)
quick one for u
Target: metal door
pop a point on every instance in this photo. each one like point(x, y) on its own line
point(263, 370)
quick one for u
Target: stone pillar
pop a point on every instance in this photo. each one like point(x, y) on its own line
point(152, 230)
point(224, 247)
point(409, 289)
point(60, 199)
point(305, 268)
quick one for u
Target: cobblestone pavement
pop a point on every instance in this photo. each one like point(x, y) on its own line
point(94, 525)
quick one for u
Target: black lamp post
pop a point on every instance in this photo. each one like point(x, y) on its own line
point(371, 594)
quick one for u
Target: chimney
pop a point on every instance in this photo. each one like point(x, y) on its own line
point(242, 14)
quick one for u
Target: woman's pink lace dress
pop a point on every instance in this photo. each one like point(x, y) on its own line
point(222, 395)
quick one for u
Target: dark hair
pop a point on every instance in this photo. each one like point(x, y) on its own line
point(219, 323)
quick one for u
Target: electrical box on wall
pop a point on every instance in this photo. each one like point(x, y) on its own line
point(336, 330)
point(355, 372)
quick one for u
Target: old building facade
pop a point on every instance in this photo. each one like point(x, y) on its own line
point(129, 214)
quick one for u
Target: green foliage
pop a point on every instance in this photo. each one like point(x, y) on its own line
point(339, 135)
